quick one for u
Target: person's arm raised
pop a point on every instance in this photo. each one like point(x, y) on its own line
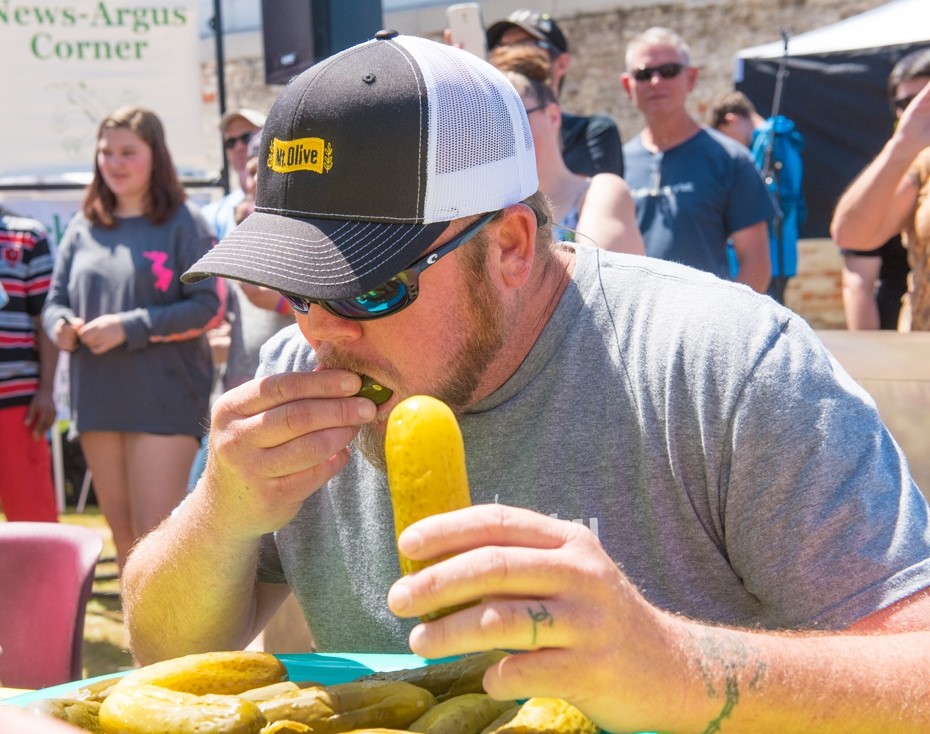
point(190, 585)
point(877, 204)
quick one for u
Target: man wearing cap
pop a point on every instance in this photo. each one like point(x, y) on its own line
point(238, 128)
point(590, 145)
point(639, 540)
point(694, 188)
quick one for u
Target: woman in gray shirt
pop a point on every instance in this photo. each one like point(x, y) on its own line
point(140, 368)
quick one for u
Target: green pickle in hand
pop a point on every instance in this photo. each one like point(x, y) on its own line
point(373, 391)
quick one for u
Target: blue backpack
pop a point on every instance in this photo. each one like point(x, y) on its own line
point(784, 183)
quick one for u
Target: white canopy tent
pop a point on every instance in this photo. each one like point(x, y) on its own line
point(897, 23)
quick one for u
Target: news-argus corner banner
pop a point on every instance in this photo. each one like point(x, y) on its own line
point(67, 64)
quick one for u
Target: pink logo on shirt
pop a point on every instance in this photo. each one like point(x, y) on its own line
point(162, 274)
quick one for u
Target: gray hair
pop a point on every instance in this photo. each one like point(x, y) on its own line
point(658, 35)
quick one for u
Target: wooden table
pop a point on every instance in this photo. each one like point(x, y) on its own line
point(895, 370)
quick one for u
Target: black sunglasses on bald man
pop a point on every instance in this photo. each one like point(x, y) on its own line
point(666, 71)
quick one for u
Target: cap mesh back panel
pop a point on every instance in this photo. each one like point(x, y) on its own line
point(481, 154)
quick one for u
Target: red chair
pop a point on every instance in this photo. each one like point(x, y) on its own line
point(46, 576)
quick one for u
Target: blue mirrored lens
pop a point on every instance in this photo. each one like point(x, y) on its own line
point(380, 301)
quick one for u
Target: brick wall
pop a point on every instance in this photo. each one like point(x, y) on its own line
point(816, 292)
point(598, 33)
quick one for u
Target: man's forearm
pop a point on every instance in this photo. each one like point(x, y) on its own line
point(189, 586)
point(744, 681)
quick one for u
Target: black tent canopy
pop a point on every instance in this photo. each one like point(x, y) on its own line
point(836, 93)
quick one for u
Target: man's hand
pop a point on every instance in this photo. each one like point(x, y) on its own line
point(41, 414)
point(546, 587)
point(275, 441)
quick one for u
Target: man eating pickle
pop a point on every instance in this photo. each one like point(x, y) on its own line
point(686, 516)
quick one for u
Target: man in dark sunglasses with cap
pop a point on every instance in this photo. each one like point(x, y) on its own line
point(694, 188)
point(590, 144)
point(238, 127)
point(637, 531)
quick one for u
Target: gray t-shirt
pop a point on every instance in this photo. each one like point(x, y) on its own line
point(731, 467)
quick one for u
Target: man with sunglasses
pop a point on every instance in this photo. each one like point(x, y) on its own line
point(590, 144)
point(890, 197)
point(238, 127)
point(636, 529)
point(695, 189)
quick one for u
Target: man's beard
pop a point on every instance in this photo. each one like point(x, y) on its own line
point(484, 322)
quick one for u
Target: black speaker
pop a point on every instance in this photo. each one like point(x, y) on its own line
point(298, 33)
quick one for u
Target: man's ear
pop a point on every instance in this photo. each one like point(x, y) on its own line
point(625, 82)
point(514, 246)
point(692, 77)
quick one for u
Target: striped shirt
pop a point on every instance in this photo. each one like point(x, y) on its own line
point(25, 271)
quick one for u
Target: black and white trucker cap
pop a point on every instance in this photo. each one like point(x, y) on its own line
point(366, 157)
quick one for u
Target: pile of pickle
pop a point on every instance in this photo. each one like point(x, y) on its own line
point(248, 693)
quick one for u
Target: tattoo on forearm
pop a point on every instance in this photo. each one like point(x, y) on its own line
point(732, 698)
point(543, 616)
point(722, 652)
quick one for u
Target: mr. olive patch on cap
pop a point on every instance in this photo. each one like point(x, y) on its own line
point(302, 154)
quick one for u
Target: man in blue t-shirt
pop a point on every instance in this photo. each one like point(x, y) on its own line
point(694, 188)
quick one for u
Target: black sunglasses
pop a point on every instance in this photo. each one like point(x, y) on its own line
point(666, 71)
point(901, 103)
point(397, 293)
point(230, 143)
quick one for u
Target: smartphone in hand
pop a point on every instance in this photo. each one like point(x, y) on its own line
point(467, 28)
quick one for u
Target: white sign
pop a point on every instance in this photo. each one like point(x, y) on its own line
point(67, 64)
point(54, 209)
